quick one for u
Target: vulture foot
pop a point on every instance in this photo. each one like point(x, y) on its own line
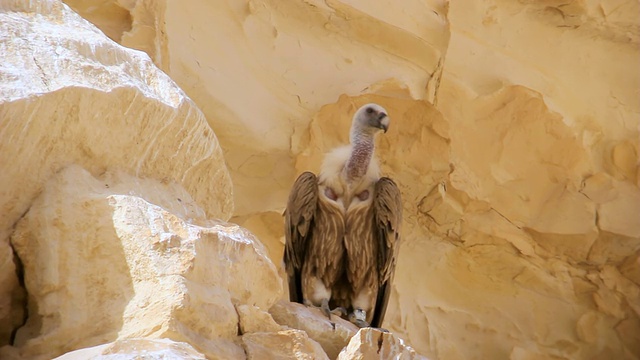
point(324, 307)
point(339, 311)
point(358, 317)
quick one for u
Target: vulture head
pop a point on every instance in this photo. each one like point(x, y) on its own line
point(368, 120)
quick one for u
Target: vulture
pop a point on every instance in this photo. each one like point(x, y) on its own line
point(342, 229)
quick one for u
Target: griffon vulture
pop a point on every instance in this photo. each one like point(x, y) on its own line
point(342, 229)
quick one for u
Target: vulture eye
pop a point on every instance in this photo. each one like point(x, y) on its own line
point(369, 110)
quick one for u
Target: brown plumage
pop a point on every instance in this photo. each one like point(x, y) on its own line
point(342, 228)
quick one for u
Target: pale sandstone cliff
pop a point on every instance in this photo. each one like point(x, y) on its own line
point(520, 186)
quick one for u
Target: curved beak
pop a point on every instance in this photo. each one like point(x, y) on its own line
point(384, 121)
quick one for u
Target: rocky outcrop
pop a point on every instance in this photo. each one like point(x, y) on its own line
point(266, 67)
point(114, 201)
point(116, 266)
point(332, 337)
point(286, 344)
point(136, 348)
point(372, 343)
point(514, 138)
point(68, 95)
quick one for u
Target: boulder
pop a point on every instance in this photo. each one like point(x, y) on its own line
point(282, 345)
point(371, 343)
point(332, 337)
point(152, 349)
point(69, 95)
point(110, 264)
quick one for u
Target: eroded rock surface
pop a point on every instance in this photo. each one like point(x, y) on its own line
point(285, 344)
point(521, 193)
point(98, 258)
point(151, 349)
point(470, 258)
point(369, 343)
point(265, 67)
point(70, 95)
point(332, 338)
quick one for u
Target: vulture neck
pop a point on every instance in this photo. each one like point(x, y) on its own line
point(361, 153)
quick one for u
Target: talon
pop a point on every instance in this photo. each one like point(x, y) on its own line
point(324, 307)
point(358, 317)
point(339, 311)
point(361, 323)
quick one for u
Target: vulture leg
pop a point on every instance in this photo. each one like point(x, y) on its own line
point(358, 316)
point(325, 308)
point(327, 311)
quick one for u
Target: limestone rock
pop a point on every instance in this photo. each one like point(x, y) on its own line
point(75, 88)
point(296, 57)
point(70, 95)
point(462, 236)
point(151, 349)
point(528, 130)
point(114, 266)
point(285, 344)
point(253, 319)
point(514, 139)
point(631, 268)
point(316, 325)
point(370, 343)
point(12, 295)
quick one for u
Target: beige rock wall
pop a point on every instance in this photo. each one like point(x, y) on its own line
point(131, 348)
point(544, 113)
point(520, 185)
point(114, 195)
point(266, 67)
point(69, 95)
point(85, 240)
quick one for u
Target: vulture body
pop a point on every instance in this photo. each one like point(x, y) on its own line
point(342, 228)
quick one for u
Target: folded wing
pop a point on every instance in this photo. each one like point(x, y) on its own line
point(299, 223)
point(387, 212)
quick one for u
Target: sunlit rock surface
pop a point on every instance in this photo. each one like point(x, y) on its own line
point(285, 344)
point(136, 348)
point(112, 265)
point(514, 138)
point(70, 95)
point(266, 66)
point(369, 343)
point(332, 337)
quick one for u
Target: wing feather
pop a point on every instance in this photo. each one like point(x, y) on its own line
point(327, 247)
point(298, 229)
point(361, 247)
point(387, 209)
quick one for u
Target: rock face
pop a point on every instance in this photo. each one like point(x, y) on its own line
point(136, 348)
point(85, 240)
point(266, 67)
point(332, 338)
point(371, 343)
point(514, 138)
point(68, 95)
point(286, 344)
